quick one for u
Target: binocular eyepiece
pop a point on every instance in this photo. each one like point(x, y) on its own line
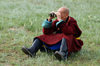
point(52, 15)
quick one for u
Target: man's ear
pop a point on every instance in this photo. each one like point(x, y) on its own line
point(67, 14)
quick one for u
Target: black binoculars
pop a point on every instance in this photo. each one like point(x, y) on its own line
point(52, 15)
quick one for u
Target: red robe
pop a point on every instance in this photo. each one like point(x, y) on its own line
point(70, 31)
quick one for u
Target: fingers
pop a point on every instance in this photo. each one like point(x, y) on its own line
point(58, 13)
point(51, 17)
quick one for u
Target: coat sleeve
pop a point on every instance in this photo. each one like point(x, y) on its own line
point(71, 28)
point(50, 30)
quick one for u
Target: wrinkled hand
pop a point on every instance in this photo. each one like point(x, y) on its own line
point(58, 15)
point(50, 18)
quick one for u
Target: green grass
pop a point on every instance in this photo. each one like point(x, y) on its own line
point(20, 22)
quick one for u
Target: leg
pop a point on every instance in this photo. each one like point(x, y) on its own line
point(33, 49)
point(61, 54)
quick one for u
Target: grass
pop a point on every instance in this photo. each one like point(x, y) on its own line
point(20, 22)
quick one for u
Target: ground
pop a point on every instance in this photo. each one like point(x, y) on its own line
point(20, 22)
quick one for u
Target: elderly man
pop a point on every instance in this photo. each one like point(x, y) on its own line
point(61, 35)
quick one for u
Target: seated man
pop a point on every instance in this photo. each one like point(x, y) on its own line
point(61, 35)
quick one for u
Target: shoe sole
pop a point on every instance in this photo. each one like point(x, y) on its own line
point(58, 56)
point(26, 51)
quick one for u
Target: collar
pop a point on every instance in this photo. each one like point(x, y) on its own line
point(67, 19)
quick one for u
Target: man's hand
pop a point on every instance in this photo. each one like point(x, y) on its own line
point(58, 15)
point(50, 18)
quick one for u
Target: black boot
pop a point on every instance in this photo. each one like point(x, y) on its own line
point(61, 54)
point(33, 49)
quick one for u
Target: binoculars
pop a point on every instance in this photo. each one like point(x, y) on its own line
point(52, 15)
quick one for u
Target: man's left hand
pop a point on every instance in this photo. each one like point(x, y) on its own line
point(58, 15)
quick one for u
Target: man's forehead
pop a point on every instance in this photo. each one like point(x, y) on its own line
point(60, 10)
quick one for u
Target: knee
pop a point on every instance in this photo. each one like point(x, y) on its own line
point(63, 39)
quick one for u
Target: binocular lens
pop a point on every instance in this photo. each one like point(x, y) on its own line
point(52, 15)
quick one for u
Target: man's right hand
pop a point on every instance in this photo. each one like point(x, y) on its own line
point(50, 18)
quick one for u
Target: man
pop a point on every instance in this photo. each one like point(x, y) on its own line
point(61, 35)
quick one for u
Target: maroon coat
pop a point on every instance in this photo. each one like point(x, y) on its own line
point(70, 31)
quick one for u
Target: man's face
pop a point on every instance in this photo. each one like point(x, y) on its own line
point(63, 15)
